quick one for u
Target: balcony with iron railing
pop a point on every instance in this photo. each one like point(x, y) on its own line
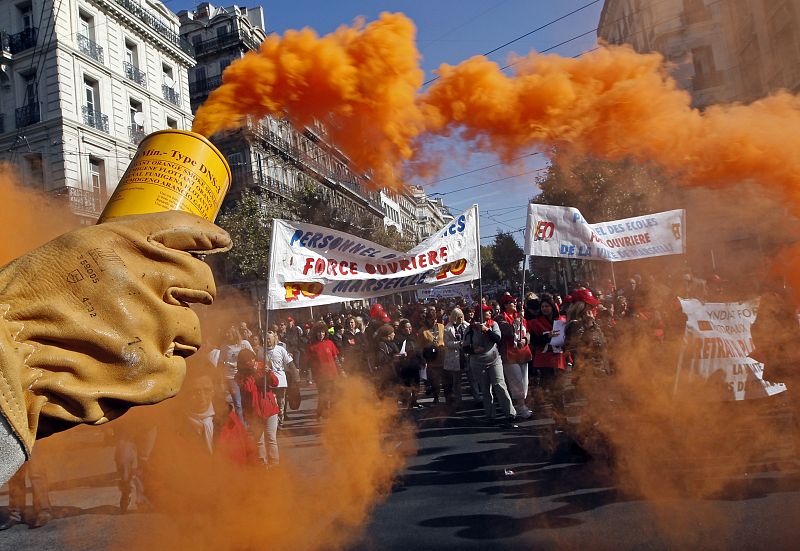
point(28, 114)
point(204, 86)
point(133, 73)
point(95, 119)
point(146, 17)
point(171, 95)
point(223, 41)
point(21, 41)
point(136, 133)
point(90, 48)
point(81, 201)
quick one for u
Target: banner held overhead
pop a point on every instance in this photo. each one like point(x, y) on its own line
point(564, 233)
point(312, 265)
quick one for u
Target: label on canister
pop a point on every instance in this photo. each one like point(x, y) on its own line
point(172, 170)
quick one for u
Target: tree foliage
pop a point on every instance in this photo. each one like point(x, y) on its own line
point(249, 222)
point(606, 190)
point(507, 256)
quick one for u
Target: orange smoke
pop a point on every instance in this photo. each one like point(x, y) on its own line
point(33, 217)
point(361, 81)
point(318, 503)
point(364, 81)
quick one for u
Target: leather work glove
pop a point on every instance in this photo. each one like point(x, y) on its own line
point(98, 320)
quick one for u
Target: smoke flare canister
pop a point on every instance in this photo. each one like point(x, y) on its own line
point(172, 170)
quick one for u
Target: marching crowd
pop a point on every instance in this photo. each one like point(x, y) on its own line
point(508, 356)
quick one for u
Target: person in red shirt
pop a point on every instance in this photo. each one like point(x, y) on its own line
point(259, 404)
point(548, 359)
point(323, 358)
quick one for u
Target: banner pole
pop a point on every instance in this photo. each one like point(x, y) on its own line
point(613, 277)
point(680, 360)
point(478, 239)
point(524, 267)
point(268, 301)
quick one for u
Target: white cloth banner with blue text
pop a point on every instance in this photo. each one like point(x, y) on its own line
point(563, 232)
point(311, 265)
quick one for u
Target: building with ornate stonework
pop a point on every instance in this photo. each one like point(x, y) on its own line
point(81, 83)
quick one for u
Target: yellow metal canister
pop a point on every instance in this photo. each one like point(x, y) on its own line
point(172, 170)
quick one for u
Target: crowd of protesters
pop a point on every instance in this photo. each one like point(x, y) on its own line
point(504, 353)
point(511, 356)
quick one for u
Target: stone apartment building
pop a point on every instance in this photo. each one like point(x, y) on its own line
point(721, 52)
point(81, 83)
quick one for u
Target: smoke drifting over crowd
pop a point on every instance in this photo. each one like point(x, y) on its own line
point(363, 82)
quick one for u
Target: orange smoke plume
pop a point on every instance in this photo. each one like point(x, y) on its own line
point(34, 217)
point(361, 81)
point(318, 503)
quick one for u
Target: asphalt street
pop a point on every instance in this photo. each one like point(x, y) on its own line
point(469, 486)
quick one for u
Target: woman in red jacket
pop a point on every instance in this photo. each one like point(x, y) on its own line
point(259, 404)
point(322, 356)
point(548, 352)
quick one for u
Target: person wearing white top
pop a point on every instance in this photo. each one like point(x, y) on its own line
point(229, 352)
point(281, 361)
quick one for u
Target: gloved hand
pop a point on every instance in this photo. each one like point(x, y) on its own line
point(98, 320)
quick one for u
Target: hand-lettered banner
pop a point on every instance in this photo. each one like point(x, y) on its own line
point(311, 265)
point(717, 345)
point(563, 232)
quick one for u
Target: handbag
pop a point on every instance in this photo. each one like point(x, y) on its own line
point(520, 355)
point(293, 397)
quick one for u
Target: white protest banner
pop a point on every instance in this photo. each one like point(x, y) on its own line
point(717, 347)
point(311, 265)
point(461, 290)
point(563, 232)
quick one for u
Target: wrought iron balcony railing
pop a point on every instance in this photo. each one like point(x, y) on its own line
point(133, 73)
point(95, 119)
point(23, 40)
point(205, 85)
point(28, 114)
point(171, 95)
point(81, 201)
point(227, 40)
point(136, 133)
point(139, 12)
point(90, 48)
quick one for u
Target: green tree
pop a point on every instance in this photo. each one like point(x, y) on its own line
point(507, 256)
point(248, 220)
point(490, 273)
point(606, 190)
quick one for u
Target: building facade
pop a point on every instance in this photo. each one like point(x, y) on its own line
point(432, 215)
point(81, 83)
point(270, 156)
point(721, 52)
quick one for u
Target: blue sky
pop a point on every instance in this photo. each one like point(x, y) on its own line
point(449, 31)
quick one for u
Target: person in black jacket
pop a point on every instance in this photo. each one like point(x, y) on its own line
point(410, 362)
point(385, 360)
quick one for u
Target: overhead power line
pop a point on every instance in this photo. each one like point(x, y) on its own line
point(517, 39)
point(479, 169)
point(442, 193)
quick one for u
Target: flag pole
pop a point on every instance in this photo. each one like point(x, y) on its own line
point(524, 267)
point(478, 239)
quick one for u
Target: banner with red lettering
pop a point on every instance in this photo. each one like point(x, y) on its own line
point(312, 265)
point(717, 345)
point(563, 232)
